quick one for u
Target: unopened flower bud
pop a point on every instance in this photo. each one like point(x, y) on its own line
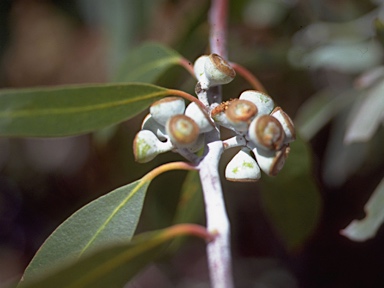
point(213, 70)
point(167, 107)
point(271, 162)
point(146, 146)
point(240, 114)
point(242, 167)
point(182, 131)
point(198, 144)
point(198, 68)
point(152, 125)
point(266, 132)
point(287, 124)
point(200, 117)
point(263, 102)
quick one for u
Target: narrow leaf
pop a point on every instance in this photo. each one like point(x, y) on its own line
point(147, 62)
point(70, 110)
point(190, 206)
point(341, 160)
point(108, 219)
point(364, 229)
point(292, 199)
point(315, 113)
point(366, 116)
point(113, 265)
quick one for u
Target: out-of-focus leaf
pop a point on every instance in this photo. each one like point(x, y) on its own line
point(315, 113)
point(342, 160)
point(379, 29)
point(108, 219)
point(292, 199)
point(366, 116)
point(265, 13)
point(364, 229)
point(70, 110)
point(110, 266)
point(190, 206)
point(146, 63)
point(344, 56)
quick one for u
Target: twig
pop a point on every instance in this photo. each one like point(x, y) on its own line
point(218, 22)
point(218, 250)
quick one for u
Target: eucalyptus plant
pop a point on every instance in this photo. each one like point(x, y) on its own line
point(96, 246)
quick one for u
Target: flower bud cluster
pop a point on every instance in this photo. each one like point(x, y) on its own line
point(265, 130)
point(171, 126)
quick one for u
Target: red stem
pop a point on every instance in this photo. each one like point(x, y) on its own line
point(247, 75)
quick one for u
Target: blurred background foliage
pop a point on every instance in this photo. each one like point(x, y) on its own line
point(320, 60)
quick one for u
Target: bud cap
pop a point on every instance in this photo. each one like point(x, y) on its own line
point(182, 130)
point(242, 168)
point(266, 131)
point(167, 107)
point(263, 102)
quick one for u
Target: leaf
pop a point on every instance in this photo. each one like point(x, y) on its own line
point(345, 56)
point(341, 160)
point(366, 116)
point(147, 62)
point(114, 265)
point(364, 229)
point(190, 206)
point(70, 110)
point(291, 199)
point(315, 113)
point(108, 219)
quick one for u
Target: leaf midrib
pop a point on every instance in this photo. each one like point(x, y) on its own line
point(111, 216)
point(74, 110)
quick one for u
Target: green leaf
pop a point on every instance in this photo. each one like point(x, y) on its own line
point(108, 219)
point(147, 63)
point(315, 113)
point(291, 199)
point(362, 128)
point(190, 206)
point(70, 110)
point(366, 228)
point(113, 265)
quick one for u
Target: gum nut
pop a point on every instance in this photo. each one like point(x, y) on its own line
point(266, 131)
point(182, 130)
point(240, 114)
point(167, 107)
point(218, 71)
point(200, 117)
point(198, 144)
point(145, 146)
point(152, 125)
point(287, 123)
point(219, 116)
point(198, 67)
point(263, 102)
point(242, 168)
point(271, 162)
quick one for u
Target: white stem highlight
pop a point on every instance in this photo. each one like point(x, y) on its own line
point(218, 250)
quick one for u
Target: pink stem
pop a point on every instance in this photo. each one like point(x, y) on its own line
point(218, 22)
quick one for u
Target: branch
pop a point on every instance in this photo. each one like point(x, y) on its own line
point(218, 250)
point(218, 23)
